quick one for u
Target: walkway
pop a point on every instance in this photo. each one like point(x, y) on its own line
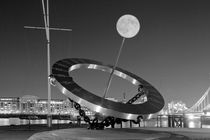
point(192, 133)
point(108, 134)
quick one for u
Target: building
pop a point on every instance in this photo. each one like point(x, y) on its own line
point(9, 105)
point(30, 104)
point(57, 106)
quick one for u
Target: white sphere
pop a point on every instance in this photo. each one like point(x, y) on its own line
point(128, 26)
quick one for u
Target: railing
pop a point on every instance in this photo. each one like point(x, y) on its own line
point(35, 116)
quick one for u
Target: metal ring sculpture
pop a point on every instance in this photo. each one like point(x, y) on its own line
point(71, 89)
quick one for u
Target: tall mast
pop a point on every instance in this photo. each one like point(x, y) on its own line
point(47, 29)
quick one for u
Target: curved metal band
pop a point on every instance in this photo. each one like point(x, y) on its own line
point(68, 87)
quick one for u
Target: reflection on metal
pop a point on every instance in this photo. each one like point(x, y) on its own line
point(52, 80)
point(68, 87)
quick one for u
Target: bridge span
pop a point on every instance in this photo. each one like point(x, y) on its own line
point(203, 104)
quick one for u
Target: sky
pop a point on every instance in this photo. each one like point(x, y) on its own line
point(171, 50)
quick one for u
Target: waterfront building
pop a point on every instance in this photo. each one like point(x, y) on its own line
point(68, 107)
point(88, 112)
point(57, 106)
point(41, 106)
point(9, 105)
point(30, 104)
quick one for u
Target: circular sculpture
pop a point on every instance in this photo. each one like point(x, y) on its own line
point(128, 26)
point(62, 68)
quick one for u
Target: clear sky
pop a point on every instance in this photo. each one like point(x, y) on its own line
point(171, 51)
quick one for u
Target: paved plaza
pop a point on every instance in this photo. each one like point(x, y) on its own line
point(124, 134)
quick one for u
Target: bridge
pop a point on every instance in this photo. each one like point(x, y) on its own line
point(202, 105)
point(199, 111)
